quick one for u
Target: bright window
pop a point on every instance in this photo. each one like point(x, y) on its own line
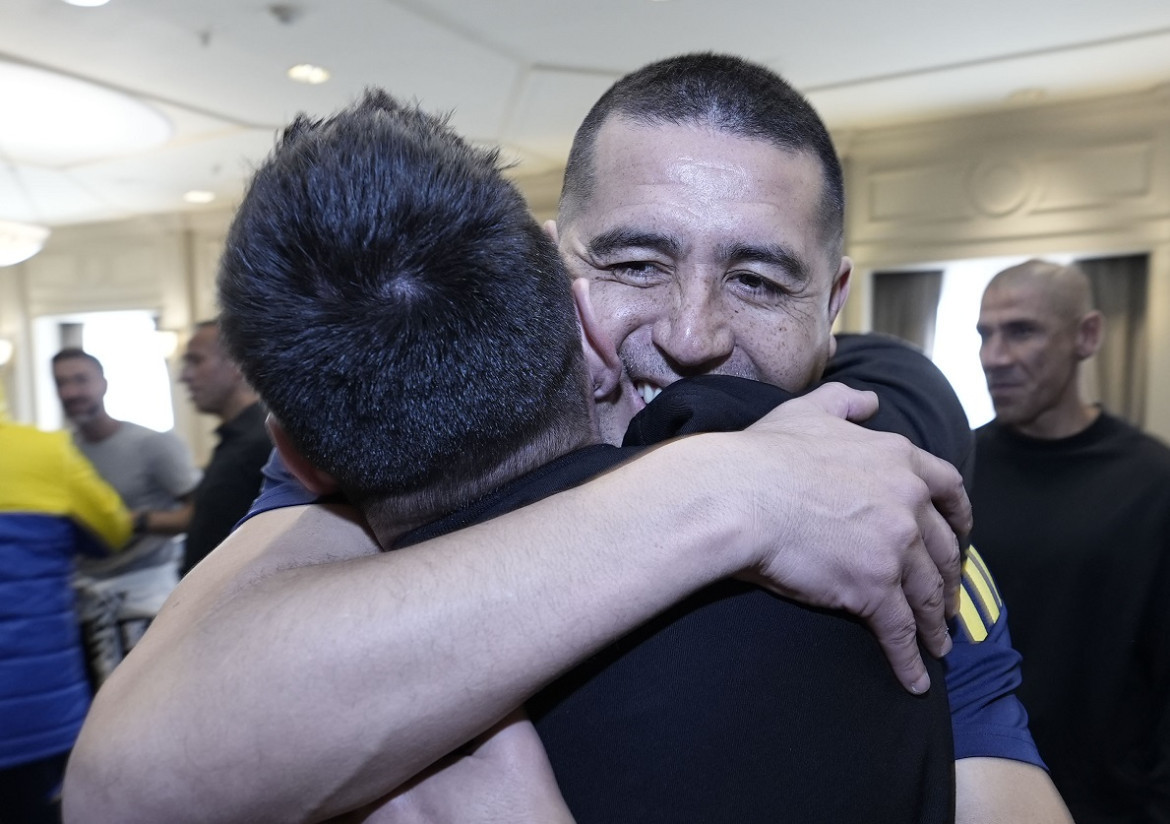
point(129, 347)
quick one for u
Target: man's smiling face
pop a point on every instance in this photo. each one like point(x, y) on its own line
point(706, 256)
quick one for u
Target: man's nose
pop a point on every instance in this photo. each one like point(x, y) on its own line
point(695, 334)
point(992, 352)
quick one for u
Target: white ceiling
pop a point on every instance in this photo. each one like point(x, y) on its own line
point(522, 73)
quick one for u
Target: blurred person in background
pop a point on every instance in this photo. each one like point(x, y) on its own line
point(232, 478)
point(156, 477)
point(1074, 516)
point(53, 508)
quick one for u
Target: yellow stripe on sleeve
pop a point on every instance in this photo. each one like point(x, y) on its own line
point(973, 557)
point(976, 575)
point(970, 617)
point(979, 603)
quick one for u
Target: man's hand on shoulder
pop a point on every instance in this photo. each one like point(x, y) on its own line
point(864, 522)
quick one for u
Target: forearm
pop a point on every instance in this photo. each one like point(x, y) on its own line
point(168, 521)
point(243, 708)
point(994, 790)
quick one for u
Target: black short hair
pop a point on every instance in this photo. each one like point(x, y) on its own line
point(74, 353)
point(392, 300)
point(720, 91)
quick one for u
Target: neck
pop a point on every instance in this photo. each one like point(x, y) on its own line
point(99, 427)
point(1060, 423)
point(394, 515)
point(237, 403)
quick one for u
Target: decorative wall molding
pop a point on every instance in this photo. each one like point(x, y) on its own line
point(1042, 172)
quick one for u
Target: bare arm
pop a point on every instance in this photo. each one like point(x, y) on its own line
point(999, 791)
point(299, 674)
point(502, 777)
point(170, 521)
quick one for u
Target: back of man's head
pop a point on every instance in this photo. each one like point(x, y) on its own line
point(718, 91)
point(388, 294)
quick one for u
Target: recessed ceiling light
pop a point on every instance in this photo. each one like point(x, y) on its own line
point(308, 73)
point(87, 2)
point(199, 196)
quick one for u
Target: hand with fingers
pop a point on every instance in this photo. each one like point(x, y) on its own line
point(869, 526)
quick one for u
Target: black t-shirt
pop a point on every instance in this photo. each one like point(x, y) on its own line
point(1078, 532)
point(735, 705)
point(230, 483)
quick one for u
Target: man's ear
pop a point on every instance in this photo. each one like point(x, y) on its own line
point(1090, 334)
point(605, 368)
point(550, 229)
point(839, 291)
point(318, 482)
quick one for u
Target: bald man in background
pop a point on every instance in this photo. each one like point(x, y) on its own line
point(1074, 517)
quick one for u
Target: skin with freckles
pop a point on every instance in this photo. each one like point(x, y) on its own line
point(706, 256)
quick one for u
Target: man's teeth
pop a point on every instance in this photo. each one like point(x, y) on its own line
point(648, 391)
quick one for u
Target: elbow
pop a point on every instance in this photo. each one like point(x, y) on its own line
point(88, 793)
point(109, 779)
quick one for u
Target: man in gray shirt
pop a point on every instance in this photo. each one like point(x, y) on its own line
point(154, 474)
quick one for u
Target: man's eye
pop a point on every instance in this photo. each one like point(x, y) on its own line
point(636, 271)
point(759, 285)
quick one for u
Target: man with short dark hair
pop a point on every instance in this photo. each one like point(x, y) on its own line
point(154, 474)
point(704, 202)
point(1074, 514)
point(232, 478)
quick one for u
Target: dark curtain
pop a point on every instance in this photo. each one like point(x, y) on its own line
point(1120, 368)
point(905, 305)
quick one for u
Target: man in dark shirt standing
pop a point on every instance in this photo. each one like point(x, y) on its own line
point(232, 478)
point(1074, 516)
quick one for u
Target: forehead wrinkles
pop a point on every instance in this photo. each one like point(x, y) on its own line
point(709, 180)
point(708, 176)
point(1022, 304)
